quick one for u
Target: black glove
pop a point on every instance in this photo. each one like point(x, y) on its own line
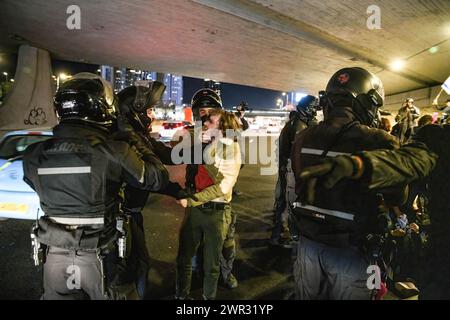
point(184, 194)
point(331, 172)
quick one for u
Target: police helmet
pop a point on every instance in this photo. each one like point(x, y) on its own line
point(87, 97)
point(134, 101)
point(364, 87)
point(205, 98)
point(307, 106)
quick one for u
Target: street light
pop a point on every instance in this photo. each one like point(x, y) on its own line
point(62, 76)
point(397, 65)
point(280, 103)
point(6, 75)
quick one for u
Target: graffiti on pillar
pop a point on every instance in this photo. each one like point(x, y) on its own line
point(36, 117)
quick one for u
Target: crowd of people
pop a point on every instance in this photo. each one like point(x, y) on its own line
point(94, 177)
point(369, 199)
point(352, 193)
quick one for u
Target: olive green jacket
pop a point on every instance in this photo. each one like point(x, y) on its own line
point(222, 160)
point(393, 168)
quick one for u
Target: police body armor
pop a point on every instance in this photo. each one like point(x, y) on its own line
point(78, 187)
point(344, 215)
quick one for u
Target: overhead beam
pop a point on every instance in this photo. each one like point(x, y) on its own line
point(271, 19)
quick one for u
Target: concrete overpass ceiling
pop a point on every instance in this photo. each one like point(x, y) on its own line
point(279, 44)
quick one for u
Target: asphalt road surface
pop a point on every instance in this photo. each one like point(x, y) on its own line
point(263, 272)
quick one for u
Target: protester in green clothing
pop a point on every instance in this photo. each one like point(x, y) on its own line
point(208, 217)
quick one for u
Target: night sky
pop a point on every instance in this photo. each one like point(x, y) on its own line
point(232, 94)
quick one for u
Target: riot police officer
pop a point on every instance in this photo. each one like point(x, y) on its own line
point(134, 122)
point(427, 160)
point(78, 175)
point(299, 120)
point(332, 255)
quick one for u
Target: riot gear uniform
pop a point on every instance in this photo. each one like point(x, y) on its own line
point(298, 121)
point(331, 263)
point(134, 101)
point(78, 175)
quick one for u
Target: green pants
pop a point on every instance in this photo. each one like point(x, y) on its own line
point(211, 226)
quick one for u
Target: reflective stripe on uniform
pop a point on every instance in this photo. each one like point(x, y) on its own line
point(142, 179)
point(319, 152)
point(63, 170)
point(77, 221)
point(334, 213)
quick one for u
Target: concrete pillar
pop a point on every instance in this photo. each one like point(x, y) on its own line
point(30, 102)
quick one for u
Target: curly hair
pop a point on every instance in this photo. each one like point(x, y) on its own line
point(228, 120)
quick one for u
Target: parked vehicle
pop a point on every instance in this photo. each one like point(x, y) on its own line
point(17, 199)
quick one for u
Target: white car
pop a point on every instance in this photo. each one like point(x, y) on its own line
point(17, 199)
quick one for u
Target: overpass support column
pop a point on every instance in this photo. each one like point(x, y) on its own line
point(30, 102)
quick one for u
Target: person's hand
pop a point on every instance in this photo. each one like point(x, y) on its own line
point(330, 172)
point(398, 233)
point(414, 227)
point(183, 194)
point(183, 203)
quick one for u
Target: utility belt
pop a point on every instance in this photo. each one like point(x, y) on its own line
point(371, 244)
point(84, 234)
point(330, 227)
point(321, 213)
point(214, 205)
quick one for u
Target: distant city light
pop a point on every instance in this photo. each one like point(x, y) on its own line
point(118, 71)
point(280, 102)
point(299, 96)
point(397, 65)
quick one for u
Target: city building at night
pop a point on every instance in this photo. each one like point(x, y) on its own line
point(121, 78)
